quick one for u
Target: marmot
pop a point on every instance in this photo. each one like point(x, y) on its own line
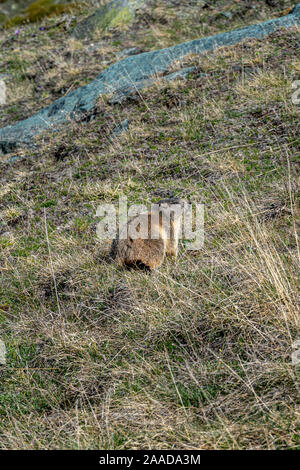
point(146, 238)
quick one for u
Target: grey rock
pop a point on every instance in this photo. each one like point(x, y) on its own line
point(129, 74)
point(114, 13)
point(15, 158)
point(295, 10)
point(227, 14)
point(126, 52)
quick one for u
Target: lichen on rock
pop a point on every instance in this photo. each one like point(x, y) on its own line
point(39, 9)
point(130, 74)
point(117, 13)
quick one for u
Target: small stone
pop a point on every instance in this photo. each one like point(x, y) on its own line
point(113, 14)
point(127, 52)
point(227, 14)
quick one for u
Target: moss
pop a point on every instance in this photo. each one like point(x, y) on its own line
point(122, 18)
point(16, 20)
point(110, 18)
point(113, 18)
point(40, 9)
point(113, 14)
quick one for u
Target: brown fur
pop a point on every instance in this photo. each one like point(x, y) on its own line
point(149, 252)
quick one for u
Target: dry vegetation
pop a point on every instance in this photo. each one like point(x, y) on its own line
point(198, 353)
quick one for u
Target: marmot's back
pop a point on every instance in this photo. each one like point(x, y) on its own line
point(145, 239)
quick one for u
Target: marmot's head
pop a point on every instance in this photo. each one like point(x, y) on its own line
point(168, 204)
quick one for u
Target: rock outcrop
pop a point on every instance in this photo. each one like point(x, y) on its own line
point(115, 13)
point(131, 73)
